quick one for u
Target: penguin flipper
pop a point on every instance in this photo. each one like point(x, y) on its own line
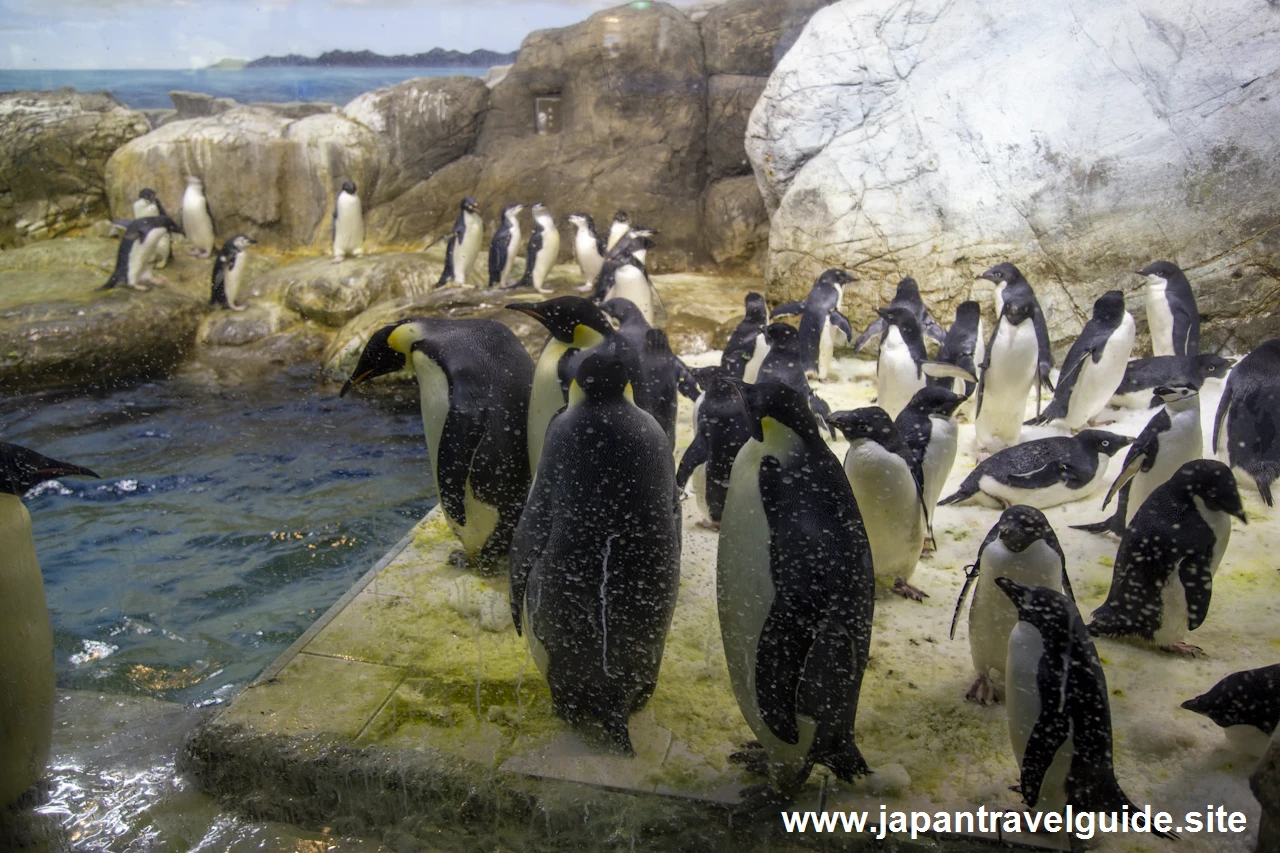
point(446, 274)
point(876, 328)
point(1197, 584)
point(933, 330)
point(946, 370)
point(1182, 326)
point(528, 543)
point(1224, 406)
point(841, 322)
point(787, 310)
point(1047, 736)
point(697, 453)
point(459, 439)
point(1108, 525)
point(686, 382)
point(1136, 462)
point(967, 489)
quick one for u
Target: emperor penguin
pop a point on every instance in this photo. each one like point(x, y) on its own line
point(576, 325)
point(928, 427)
point(348, 224)
point(1162, 578)
point(663, 376)
point(228, 270)
point(595, 562)
point(474, 378)
point(1172, 317)
point(721, 427)
point(784, 363)
point(795, 591)
point(588, 248)
point(1094, 366)
point(624, 276)
point(964, 346)
point(1143, 375)
point(139, 251)
point(503, 247)
point(1008, 279)
point(886, 484)
point(464, 245)
point(1245, 426)
point(906, 296)
point(26, 634)
point(1042, 473)
point(148, 204)
point(197, 218)
point(1169, 440)
point(1007, 375)
point(820, 318)
point(1021, 546)
point(1246, 705)
point(748, 345)
point(1058, 710)
point(618, 229)
point(543, 249)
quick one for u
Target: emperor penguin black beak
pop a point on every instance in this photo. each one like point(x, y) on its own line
point(353, 382)
point(524, 308)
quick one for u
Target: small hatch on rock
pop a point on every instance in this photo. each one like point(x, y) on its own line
point(546, 113)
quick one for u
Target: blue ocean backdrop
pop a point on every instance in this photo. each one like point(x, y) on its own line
point(149, 89)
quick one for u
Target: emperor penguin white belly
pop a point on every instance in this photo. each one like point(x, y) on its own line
point(465, 254)
point(1098, 381)
point(992, 615)
point(744, 594)
point(939, 457)
point(631, 283)
point(433, 391)
point(587, 252)
point(26, 662)
point(547, 255)
point(1159, 317)
point(1023, 704)
point(1180, 444)
point(752, 371)
point(898, 377)
point(1247, 739)
point(545, 398)
point(1049, 496)
point(886, 496)
point(348, 228)
point(1014, 358)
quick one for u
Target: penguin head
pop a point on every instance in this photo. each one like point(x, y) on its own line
point(386, 352)
point(835, 278)
point(470, 205)
point(625, 311)
point(569, 319)
point(1162, 270)
point(511, 211)
point(1213, 483)
point(1022, 526)
point(968, 313)
point(907, 290)
point(936, 400)
point(21, 469)
point(1018, 307)
point(1213, 366)
point(581, 220)
point(1109, 307)
point(773, 405)
point(1001, 274)
point(1101, 441)
point(539, 208)
point(601, 376)
point(756, 310)
point(782, 337)
point(621, 217)
point(1176, 392)
point(194, 181)
point(147, 194)
point(1046, 609)
point(870, 423)
point(242, 242)
point(349, 187)
point(900, 316)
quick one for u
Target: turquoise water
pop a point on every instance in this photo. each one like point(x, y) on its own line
point(147, 90)
point(226, 521)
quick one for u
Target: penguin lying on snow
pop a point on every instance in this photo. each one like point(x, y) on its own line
point(1143, 375)
point(595, 562)
point(1246, 428)
point(1172, 317)
point(588, 247)
point(543, 249)
point(748, 345)
point(139, 251)
point(1022, 547)
point(1246, 705)
point(928, 428)
point(504, 247)
point(473, 378)
point(820, 317)
point(348, 224)
point(1059, 714)
point(464, 244)
point(1163, 574)
point(721, 427)
point(795, 591)
point(26, 635)
point(197, 218)
point(148, 204)
point(228, 271)
point(1043, 473)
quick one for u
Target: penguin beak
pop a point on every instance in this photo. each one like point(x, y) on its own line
point(524, 308)
point(354, 381)
point(1011, 588)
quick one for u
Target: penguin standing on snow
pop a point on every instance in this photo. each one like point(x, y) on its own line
point(1094, 367)
point(964, 346)
point(1169, 440)
point(1059, 714)
point(618, 229)
point(26, 635)
point(228, 271)
point(474, 378)
point(624, 276)
point(907, 296)
point(595, 562)
point(1246, 427)
point(1163, 574)
point(795, 591)
point(663, 376)
point(504, 246)
point(197, 218)
point(1042, 473)
point(1172, 317)
point(748, 345)
point(1007, 374)
point(139, 251)
point(902, 365)
point(1143, 375)
point(588, 247)
point(721, 427)
point(543, 249)
point(148, 204)
point(929, 429)
point(464, 244)
point(1021, 546)
point(348, 224)
point(886, 484)
point(1008, 280)
point(820, 317)
point(1246, 705)
point(784, 363)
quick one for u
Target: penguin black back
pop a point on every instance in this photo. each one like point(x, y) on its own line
point(719, 434)
point(1247, 423)
point(22, 469)
point(742, 343)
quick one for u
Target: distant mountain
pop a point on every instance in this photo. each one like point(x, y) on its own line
point(434, 58)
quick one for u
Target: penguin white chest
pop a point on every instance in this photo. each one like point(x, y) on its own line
point(464, 256)
point(752, 371)
point(348, 226)
point(1099, 380)
point(939, 457)
point(548, 254)
point(1013, 360)
point(513, 249)
point(587, 251)
point(898, 376)
point(886, 496)
point(196, 223)
point(1159, 316)
point(991, 615)
point(231, 283)
point(545, 399)
point(631, 283)
point(1181, 443)
point(1026, 648)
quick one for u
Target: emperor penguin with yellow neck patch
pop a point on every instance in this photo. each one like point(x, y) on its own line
point(26, 634)
point(474, 378)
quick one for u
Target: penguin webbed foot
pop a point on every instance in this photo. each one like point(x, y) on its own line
point(906, 590)
point(752, 757)
point(584, 288)
point(1185, 650)
point(459, 559)
point(708, 524)
point(983, 691)
point(238, 307)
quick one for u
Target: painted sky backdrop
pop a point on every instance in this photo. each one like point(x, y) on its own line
point(97, 34)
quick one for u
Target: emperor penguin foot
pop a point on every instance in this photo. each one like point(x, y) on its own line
point(906, 590)
point(708, 524)
point(759, 803)
point(1185, 650)
point(753, 758)
point(983, 691)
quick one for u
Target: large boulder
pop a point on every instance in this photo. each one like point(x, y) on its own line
point(730, 99)
point(1079, 140)
point(735, 223)
point(750, 36)
point(53, 152)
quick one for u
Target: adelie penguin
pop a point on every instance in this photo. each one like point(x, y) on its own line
point(26, 635)
point(148, 204)
point(139, 251)
point(721, 427)
point(886, 482)
point(473, 380)
point(595, 563)
point(906, 296)
point(1058, 710)
point(1246, 427)
point(795, 590)
point(902, 366)
point(1009, 280)
point(504, 246)
point(465, 240)
point(964, 346)
point(1042, 473)
point(928, 427)
point(1162, 578)
point(820, 317)
point(748, 345)
point(1246, 705)
point(1009, 371)
point(784, 363)
point(663, 376)
point(1169, 440)
point(543, 249)
point(1143, 375)
point(1094, 365)
point(588, 248)
point(197, 218)
point(228, 272)
point(1022, 547)
point(1172, 317)
point(348, 224)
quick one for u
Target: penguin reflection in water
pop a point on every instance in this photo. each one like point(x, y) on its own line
point(473, 378)
point(26, 635)
point(595, 562)
point(795, 594)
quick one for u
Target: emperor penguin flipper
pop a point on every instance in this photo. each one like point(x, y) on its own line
point(528, 543)
point(459, 439)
